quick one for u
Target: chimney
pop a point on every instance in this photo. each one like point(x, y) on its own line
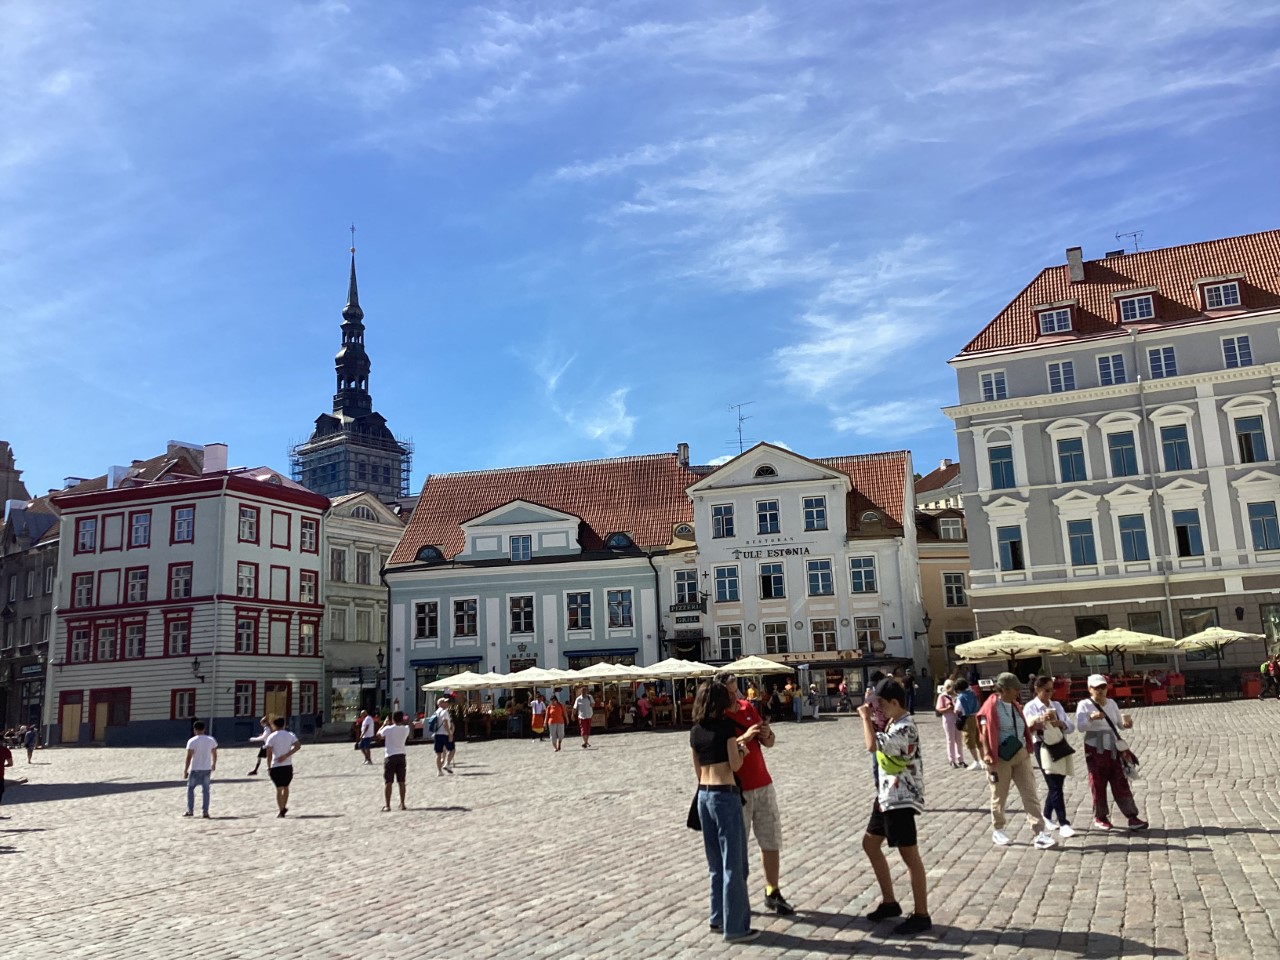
point(115, 475)
point(69, 482)
point(682, 454)
point(1075, 264)
point(215, 457)
point(946, 462)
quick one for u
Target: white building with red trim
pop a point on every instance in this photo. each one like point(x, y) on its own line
point(194, 593)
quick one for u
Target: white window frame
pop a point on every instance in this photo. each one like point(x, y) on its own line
point(532, 614)
point(422, 620)
point(1187, 494)
point(453, 618)
point(1001, 435)
point(1007, 512)
point(1137, 300)
point(875, 575)
point(761, 515)
point(524, 539)
point(1063, 366)
point(1221, 287)
point(948, 589)
point(737, 579)
point(1077, 505)
point(1235, 345)
point(1108, 379)
point(1172, 415)
point(717, 521)
point(814, 509)
point(1122, 502)
point(1249, 406)
point(781, 573)
point(684, 586)
point(1120, 423)
point(785, 634)
point(1151, 368)
point(1053, 317)
point(1071, 428)
point(945, 524)
point(816, 631)
point(731, 632)
point(831, 576)
point(872, 627)
point(630, 612)
point(590, 608)
point(997, 381)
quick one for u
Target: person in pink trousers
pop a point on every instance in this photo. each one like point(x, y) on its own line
point(945, 707)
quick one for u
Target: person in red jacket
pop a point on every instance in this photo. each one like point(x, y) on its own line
point(1007, 748)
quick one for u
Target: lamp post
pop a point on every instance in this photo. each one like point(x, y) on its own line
point(917, 634)
point(382, 700)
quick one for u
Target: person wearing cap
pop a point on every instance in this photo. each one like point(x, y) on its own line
point(1099, 719)
point(1007, 748)
point(444, 742)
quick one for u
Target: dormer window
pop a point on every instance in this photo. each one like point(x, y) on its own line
point(1057, 320)
point(764, 470)
point(619, 541)
point(521, 548)
point(429, 554)
point(1218, 296)
point(1133, 309)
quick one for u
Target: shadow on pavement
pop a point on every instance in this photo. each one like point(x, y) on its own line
point(923, 946)
point(23, 830)
point(476, 773)
point(1209, 831)
point(439, 809)
point(6, 849)
point(47, 792)
point(317, 816)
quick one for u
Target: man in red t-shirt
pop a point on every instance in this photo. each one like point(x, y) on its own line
point(761, 803)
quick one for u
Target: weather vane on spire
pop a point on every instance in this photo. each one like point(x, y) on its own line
point(353, 238)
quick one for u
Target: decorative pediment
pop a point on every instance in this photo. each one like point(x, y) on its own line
point(766, 464)
point(1006, 506)
point(1128, 491)
point(1077, 499)
point(1257, 480)
point(518, 512)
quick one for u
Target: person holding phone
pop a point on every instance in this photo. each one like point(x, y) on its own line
point(1049, 724)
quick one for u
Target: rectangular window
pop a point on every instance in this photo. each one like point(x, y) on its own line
point(246, 580)
point(79, 643)
point(244, 698)
point(824, 635)
point(31, 583)
point(1062, 376)
point(1133, 538)
point(1001, 461)
point(579, 610)
point(726, 584)
point(1055, 321)
point(182, 704)
point(338, 566)
point(1251, 440)
point(178, 636)
point(48, 579)
point(246, 634)
point(1147, 621)
point(521, 549)
point(6, 636)
point(1263, 526)
point(730, 637)
point(772, 583)
point(364, 567)
point(1236, 352)
point(135, 635)
point(1080, 539)
point(1176, 447)
point(1009, 540)
point(1137, 308)
point(364, 626)
point(521, 609)
point(25, 638)
point(1124, 454)
point(815, 513)
point(767, 516)
point(1071, 460)
point(308, 586)
point(1162, 362)
point(953, 638)
point(106, 642)
point(686, 586)
point(953, 588)
point(136, 585)
point(620, 608)
point(86, 534)
point(1195, 619)
point(309, 535)
point(821, 581)
point(426, 620)
point(775, 638)
point(82, 590)
point(180, 581)
point(862, 574)
point(1186, 533)
point(140, 529)
point(994, 386)
point(866, 634)
point(183, 529)
point(1219, 295)
point(248, 524)
point(13, 588)
point(1111, 369)
point(722, 520)
point(337, 623)
point(464, 618)
point(307, 698)
point(951, 528)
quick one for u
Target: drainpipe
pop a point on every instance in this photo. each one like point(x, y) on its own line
point(217, 607)
point(657, 602)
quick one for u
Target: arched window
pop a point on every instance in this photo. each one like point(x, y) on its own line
point(363, 513)
point(429, 554)
point(765, 470)
point(619, 541)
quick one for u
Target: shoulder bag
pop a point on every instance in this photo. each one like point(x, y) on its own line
point(1128, 759)
point(1010, 745)
point(1059, 749)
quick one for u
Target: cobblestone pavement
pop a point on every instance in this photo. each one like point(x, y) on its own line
point(526, 853)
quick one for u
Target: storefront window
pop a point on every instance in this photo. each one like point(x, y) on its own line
point(1271, 626)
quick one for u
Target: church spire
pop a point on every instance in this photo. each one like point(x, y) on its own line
point(352, 399)
point(352, 310)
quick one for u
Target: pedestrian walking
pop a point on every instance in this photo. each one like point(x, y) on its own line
point(760, 800)
point(281, 746)
point(584, 710)
point(813, 702)
point(945, 707)
point(365, 743)
point(967, 719)
point(395, 735)
point(555, 722)
point(1099, 719)
point(1270, 671)
point(443, 740)
point(1050, 725)
point(261, 740)
point(1006, 740)
point(538, 717)
point(202, 760)
point(29, 741)
point(6, 760)
point(718, 754)
point(899, 800)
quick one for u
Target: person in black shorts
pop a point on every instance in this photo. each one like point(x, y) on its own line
point(281, 746)
point(395, 735)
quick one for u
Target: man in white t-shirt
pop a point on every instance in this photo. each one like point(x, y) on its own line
point(395, 734)
point(584, 707)
point(443, 742)
point(202, 760)
point(281, 746)
point(366, 735)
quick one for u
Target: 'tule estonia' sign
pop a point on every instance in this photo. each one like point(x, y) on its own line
point(770, 552)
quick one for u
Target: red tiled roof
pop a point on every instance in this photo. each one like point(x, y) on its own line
point(938, 479)
point(879, 482)
point(642, 496)
point(1174, 270)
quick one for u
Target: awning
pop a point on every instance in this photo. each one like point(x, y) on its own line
point(443, 661)
point(604, 652)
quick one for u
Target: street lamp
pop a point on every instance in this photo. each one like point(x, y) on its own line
point(381, 677)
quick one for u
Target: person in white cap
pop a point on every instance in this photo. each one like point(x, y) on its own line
point(443, 741)
point(1099, 719)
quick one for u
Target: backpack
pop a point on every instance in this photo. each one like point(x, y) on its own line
point(433, 722)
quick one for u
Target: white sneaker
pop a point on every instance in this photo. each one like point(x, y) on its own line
point(976, 765)
point(1066, 830)
point(1044, 841)
point(1050, 827)
point(999, 838)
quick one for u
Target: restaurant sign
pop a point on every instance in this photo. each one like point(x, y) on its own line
point(770, 552)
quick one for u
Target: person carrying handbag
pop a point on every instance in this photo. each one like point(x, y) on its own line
point(1049, 726)
point(1006, 742)
point(1099, 719)
point(945, 707)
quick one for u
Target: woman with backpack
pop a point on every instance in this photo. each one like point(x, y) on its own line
point(945, 707)
point(967, 718)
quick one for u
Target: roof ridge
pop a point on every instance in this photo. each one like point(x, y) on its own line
point(864, 456)
point(563, 463)
point(1182, 246)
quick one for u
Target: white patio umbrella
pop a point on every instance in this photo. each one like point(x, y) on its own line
point(674, 668)
point(604, 673)
point(533, 677)
point(457, 681)
point(1121, 641)
point(1011, 645)
point(757, 666)
point(1216, 639)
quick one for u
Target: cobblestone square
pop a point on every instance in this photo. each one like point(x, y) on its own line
point(527, 853)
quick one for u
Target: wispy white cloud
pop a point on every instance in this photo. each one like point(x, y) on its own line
point(599, 416)
point(901, 418)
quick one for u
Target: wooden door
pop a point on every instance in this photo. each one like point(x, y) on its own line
point(276, 698)
point(101, 714)
point(71, 722)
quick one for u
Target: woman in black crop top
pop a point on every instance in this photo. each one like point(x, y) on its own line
point(717, 756)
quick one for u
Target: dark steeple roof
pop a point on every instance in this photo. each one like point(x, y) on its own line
point(352, 310)
point(352, 399)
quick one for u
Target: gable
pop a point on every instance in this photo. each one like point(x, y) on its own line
point(520, 511)
point(781, 465)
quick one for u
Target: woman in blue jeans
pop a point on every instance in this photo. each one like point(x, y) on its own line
point(717, 756)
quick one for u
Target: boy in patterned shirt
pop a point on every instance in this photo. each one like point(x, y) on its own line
point(900, 796)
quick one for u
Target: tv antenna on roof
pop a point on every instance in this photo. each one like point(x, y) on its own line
point(1134, 235)
point(742, 441)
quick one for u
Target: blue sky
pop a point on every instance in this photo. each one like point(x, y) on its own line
point(584, 229)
